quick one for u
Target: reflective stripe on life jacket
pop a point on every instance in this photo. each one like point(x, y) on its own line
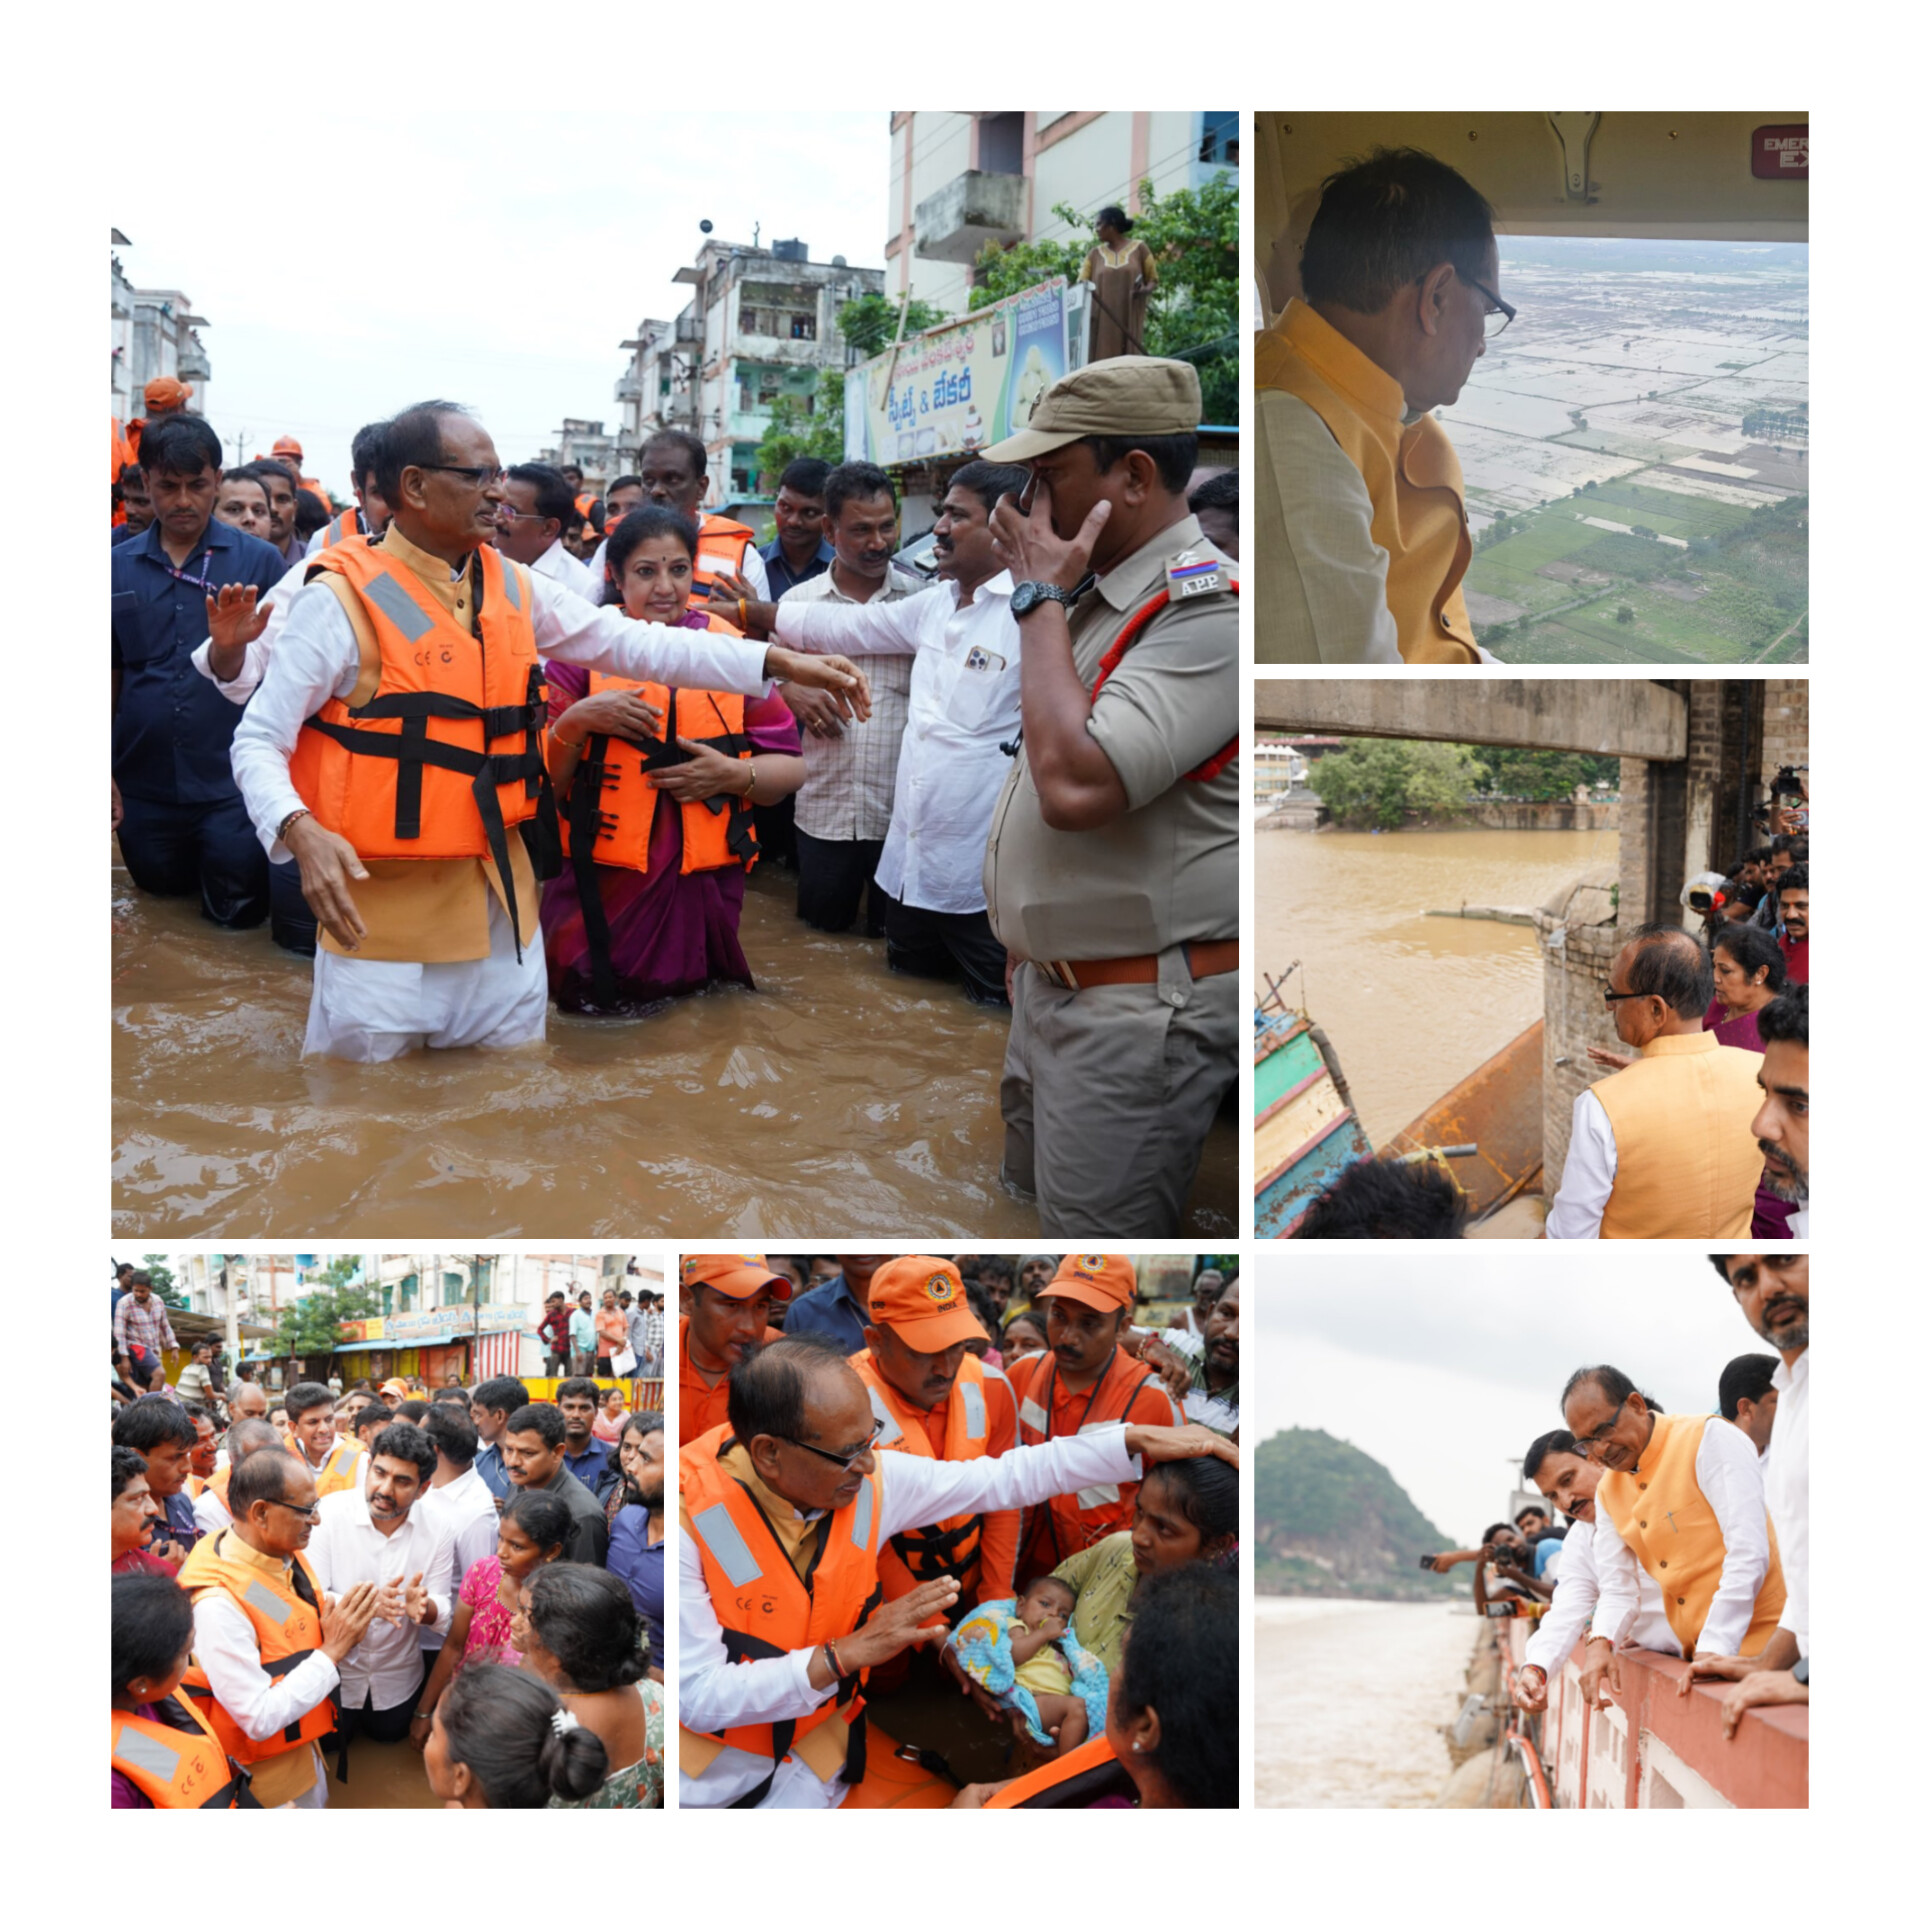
point(177, 1760)
point(1216, 764)
point(951, 1546)
point(447, 753)
point(343, 526)
point(1077, 1779)
point(285, 1618)
point(723, 549)
point(749, 1577)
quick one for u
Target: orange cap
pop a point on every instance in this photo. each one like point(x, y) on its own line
point(398, 1385)
point(1102, 1281)
point(738, 1275)
point(924, 1302)
point(288, 444)
point(165, 394)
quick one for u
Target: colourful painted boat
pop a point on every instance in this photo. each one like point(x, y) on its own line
point(1305, 1131)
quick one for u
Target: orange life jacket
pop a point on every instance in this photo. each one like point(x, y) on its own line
point(609, 813)
point(1077, 1779)
point(177, 1760)
point(340, 1471)
point(318, 491)
point(1077, 1520)
point(285, 1617)
point(343, 526)
point(447, 753)
point(216, 1484)
point(723, 549)
point(750, 1579)
point(952, 1546)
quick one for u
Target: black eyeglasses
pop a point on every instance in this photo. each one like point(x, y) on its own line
point(843, 1459)
point(305, 1513)
point(1605, 1427)
point(1506, 313)
point(474, 476)
point(1609, 996)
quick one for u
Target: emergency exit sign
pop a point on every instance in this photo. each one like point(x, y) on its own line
point(1780, 153)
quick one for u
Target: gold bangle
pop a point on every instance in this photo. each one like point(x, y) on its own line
point(751, 778)
point(741, 604)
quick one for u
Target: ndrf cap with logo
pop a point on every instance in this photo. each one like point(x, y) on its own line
point(1102, 1281)
point(1132, 394)
point(738, 1275)
point(924, 1301)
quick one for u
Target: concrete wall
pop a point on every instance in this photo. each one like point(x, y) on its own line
point(1630, 717)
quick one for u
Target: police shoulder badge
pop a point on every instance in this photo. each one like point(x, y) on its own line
point(1193, 572)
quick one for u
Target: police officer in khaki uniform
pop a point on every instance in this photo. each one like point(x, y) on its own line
point(1112, 866)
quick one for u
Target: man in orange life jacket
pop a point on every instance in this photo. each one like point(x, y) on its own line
point(1361, 506)
point(245, 1436)
point(934, 1399)
point(1113, 864)
point(288, 451)
point(1685, 1498)
point(1086, 1381)
point(726, 1298)
point(772, 1662)
point(337, 1462)
point(397, 735)
point(267, 1643)
point(369, 513)
point(673, 472)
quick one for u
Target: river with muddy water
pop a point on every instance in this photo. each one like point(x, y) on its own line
point(839, 1096)
point(1413, 1004)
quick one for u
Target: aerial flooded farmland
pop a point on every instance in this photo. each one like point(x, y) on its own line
point(1635, 449)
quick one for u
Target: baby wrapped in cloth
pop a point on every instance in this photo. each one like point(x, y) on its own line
point(1024, 1653)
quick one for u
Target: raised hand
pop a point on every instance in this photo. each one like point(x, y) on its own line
point(234, 622)
point(1024, 539)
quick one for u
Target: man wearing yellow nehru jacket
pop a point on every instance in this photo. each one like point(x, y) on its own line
point(1359, 499)
point(1112, 870)
point(1683, 1499)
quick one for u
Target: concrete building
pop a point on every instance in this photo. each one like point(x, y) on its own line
point(960, 180)
point(154, 335)
point(588, 445)
point(762, 324)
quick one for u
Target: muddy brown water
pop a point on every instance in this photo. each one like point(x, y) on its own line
point(840, 1097)
point(1413, 1004)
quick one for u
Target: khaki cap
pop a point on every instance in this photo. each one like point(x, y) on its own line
point(1130, 394)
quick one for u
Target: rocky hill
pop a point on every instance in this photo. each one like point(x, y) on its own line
point(1330, 1520)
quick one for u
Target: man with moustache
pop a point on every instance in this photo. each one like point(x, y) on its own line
point(1771, 1290)
point(1213, 1396)
point(963, 707)
point(636, 1537)
point(534, 1449)
point(771, 1668)
point(161, 1432)
point(587, 1458)
point(493, 1402)
point(1683, 1497)
point(211, 1509)
point(1782, 1126)
point(1560, 1468)
point(381, 1533)
point(725, 1300)
point(268, 1644)
point(934, 1399)
point(672, 470)
point(1793, 923)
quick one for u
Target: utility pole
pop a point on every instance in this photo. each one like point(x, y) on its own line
point(240, 443)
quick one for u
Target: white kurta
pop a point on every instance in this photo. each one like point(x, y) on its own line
point(1787, 1490)
point(1574, 1595)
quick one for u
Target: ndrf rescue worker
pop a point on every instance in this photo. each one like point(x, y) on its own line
point(1112, 864)
point(397, 738)
point(773, 1661)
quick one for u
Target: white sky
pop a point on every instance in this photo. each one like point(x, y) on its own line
point(546, 238)
point(1444, 1366)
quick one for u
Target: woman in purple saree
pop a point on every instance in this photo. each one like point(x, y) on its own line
point(1748, 970)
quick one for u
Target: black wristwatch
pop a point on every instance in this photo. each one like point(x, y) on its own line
point(1029, 593)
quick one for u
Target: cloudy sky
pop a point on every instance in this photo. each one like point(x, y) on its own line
point(535, 244)
point(1444, 1365)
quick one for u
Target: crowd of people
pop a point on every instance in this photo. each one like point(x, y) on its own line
point(1689, 1136)
point(471, 1571)
point(1684, 1534)
point(483, 741)
point(875, 1449)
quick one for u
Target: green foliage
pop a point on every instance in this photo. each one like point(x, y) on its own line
point(164, 1284)
point(1194, 237)
point(1379, 783)
point(794, 432)
point(1623, 614)
point(869, 325)
point(1522, 773)
point(312, 1324)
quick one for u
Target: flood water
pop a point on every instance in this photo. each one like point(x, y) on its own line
point(1348, 1698)
point(840, 1096)
point(1412, 1004)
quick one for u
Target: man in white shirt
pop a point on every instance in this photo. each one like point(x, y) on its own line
point(533, 517)
point(465, 968)
point(963, 709)
point(1781, 1126)
point(1748, 1399)
point(211, 1510)
point(310, 1428)
point(811, 1458)
point(1569, 1479)
point(1616, 1423)
point(369, 513)
point(462, 1501)
point(381, 1533)
point(841, 815)
point(1770, 1288)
